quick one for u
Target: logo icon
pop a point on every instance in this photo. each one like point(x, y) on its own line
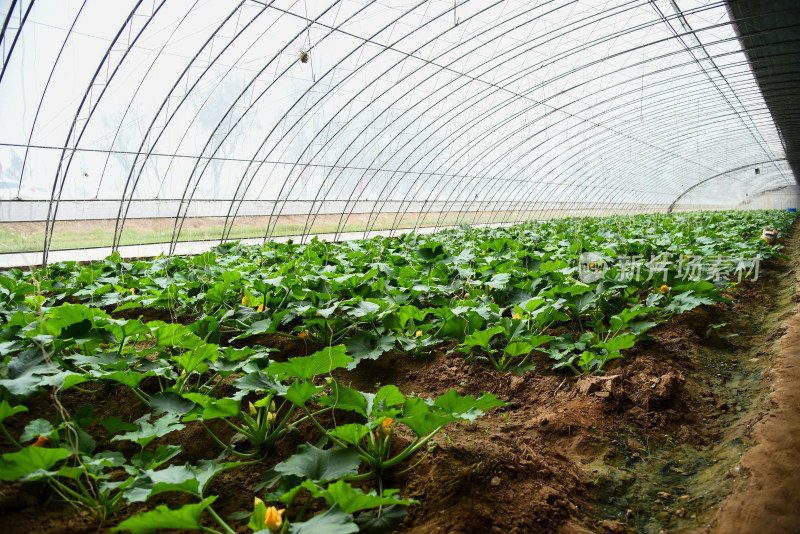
point(591, 267)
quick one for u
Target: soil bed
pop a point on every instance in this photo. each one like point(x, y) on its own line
point(654, 445)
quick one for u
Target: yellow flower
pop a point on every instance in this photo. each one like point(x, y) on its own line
point(386, 426)
point(252, 408)
point(133, 290)
point(271, 417)
point(490, 288)
point(418, 333)
point(303, 334)
point(259, 260)
point(663, 289)
point(41, 441)
point(273, 519)
point(466, 295)
point(592, 266)
point(516, 316)
point(244, 301)
point(260, 308)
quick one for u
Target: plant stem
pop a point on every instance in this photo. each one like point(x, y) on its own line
point(10, 438)
point(322, 429)
point(140, 395)
point(219, 520)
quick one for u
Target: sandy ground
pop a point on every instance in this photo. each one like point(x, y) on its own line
point(768, 500)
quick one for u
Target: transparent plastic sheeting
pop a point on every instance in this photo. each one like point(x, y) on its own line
point(269, 118)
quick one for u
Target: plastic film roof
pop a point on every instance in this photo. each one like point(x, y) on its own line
point(339, 116)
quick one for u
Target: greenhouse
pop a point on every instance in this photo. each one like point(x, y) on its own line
point(338, 266)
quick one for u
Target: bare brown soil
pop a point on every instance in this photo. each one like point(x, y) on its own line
point(653, 446)
point(767, 498)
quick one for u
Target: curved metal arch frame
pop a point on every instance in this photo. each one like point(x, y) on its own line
point(124, 207)
point(710, 178)
point(374, 160)
point(491, 174)
point(272, 214)
point(61, 172)
point(23, 18)
point(44, 93)
point(297, 121)
point(252, 160)
point(304, 232)
point(686, 95)
point(436, 103)
point(179, 225)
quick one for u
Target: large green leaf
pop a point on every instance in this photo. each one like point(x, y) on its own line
point(184, 478)
point(345, 398)
point(130, 379)
point(467, 406)
point(351, 499)
point(421, 418)
point(686, 301)
point(481, 338)
point(148, 431)
point(123, 329)
point(382, 521)
point(258, 327)
point(195, 359)
point(185, 517)
point(15, 465)
point(223, 407)
point(360, 348)
point(6, 410)
point(499, 281)
point(152, 459)
point(332, 521)
point(351, 432)
point(37, 427)
point(259, 381)
point(320, 464)
point(62, 317)
point(618, 343)
point(321, 362)
point(174, 335)
point(170, 402)
point(386, 401)
point(301, 392)
point(362, 309)
point(26, 369)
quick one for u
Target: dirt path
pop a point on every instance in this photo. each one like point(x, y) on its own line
point(768, 496)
